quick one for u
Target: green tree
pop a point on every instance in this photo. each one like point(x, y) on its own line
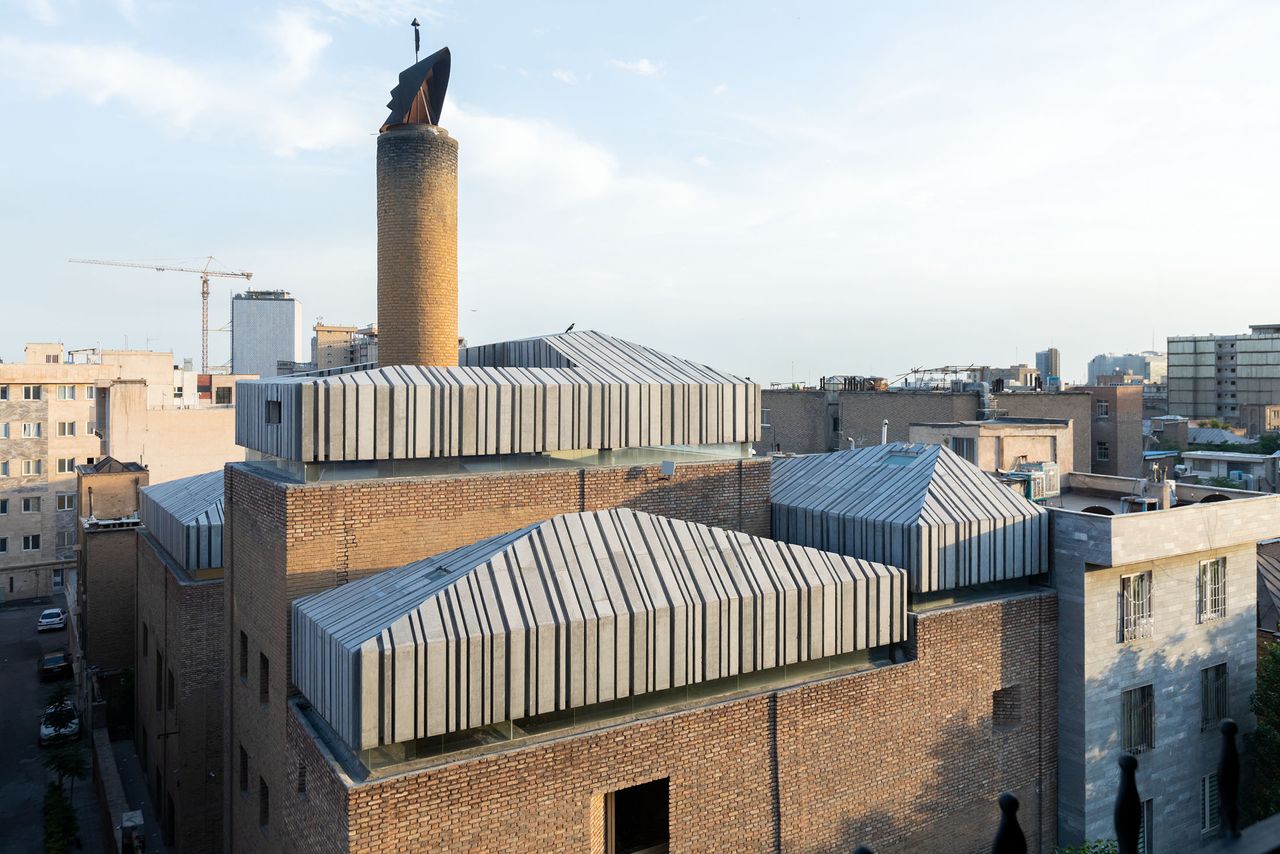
point(67, 763)
point(1262, 796)
point(60, 825)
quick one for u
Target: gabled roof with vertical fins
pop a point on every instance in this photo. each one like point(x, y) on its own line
point(418, 97)
point(582, 609)
point(921, 507)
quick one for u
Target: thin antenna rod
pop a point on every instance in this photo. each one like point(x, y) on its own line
point(417, 40)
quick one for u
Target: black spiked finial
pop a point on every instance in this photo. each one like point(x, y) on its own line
point(1229, 779)
point(1009, 836)
point(417, 39)
point(1128, 806)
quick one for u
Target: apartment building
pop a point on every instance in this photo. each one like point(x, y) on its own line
point(266, 328)
point(1212, 376)
point(1156, 645)
point(1116, 431)
point(60, 409)
point(1000, 444)
point(1146, 367)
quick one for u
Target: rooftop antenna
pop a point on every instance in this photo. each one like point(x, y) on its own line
point(417, 40)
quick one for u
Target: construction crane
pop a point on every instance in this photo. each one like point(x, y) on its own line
point(204, 272)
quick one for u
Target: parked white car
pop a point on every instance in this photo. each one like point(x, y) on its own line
point(59, 723)
point(51, 618)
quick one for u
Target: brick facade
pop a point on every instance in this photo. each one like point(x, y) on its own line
point(179, 728)
point(904, 758)
point(285, 540)
point(107, 579)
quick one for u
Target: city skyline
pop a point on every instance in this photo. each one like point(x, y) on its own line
point(783, 170)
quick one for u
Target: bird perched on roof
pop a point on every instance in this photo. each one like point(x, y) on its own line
point(571, 325)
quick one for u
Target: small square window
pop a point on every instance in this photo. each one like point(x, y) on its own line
point(66, 501)
point(222, 396)
point(1006, 708)
point(31, 505)
point(273, 412)
point(638, 818)
point(66, 465)
point(31, 542)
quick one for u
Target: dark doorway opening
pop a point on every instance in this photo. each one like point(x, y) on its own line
point(638, 819)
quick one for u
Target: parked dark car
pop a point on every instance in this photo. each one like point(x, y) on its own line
point(55, 664)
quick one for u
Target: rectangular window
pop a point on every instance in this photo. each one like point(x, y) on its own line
point(170, 690)
point(31, 392)
point(31, 542)
point(66, 428)
point(50, 358)
point(1215, 696)
point(66, 501)
point(90, 460)
point(1208, 803)
point(4, 468)
point(244, 656)
point(91, 428)
point(1211, 590)
point(32, 467)
point(273, 412)
point(1103, 452)
point(1104, 409)
point(264, 804)
point(4, 507)
point(66, 539)
point(966, 448)
point(1137, 711)
point(90, 392)
point(244, 769)
point(66, 392)
point(4, 430)
point(1146, 841)
point(31, 429)
point(264, 678)
point(1135, 607)
point(57, 579)
point(66, 465)
point(4, 547)
point(222, 396)
point(31, 505)
point(637, 819)
point(4, 392)
point(177, 391)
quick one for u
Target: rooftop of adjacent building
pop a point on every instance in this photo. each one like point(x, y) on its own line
point(263, 295)
point(1003, 423)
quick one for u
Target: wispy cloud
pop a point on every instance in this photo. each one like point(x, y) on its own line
point(42, 11)
point(565, 76)
point(385, 12)
point(643, 67)
point(719, 89)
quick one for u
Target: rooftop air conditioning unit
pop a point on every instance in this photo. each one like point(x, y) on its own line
point(1052, 477)
point(1237, 475)
point(1138, 504)
point(1029, 484)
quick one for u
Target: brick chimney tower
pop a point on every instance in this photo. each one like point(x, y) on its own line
point(418, 223)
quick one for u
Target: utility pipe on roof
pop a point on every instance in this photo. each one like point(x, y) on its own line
point(884, 432)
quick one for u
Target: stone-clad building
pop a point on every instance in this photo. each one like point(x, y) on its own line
point(1157, 615)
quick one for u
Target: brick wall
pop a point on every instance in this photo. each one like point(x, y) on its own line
point(902, 758)
point(183, 739)
point(286, 540)
point(108, 575)
point(799, 422)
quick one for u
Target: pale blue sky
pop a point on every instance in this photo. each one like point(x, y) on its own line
point(766, 187)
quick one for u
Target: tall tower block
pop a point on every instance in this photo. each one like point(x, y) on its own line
point(418, 223)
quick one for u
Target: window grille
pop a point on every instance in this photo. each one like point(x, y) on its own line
point(1135, 607)
point(1211, 590)
point(1215, 696)
point(1208, 803)
point(1138, 719)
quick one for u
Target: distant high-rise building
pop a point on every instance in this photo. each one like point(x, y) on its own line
point(1049, 363)
point(266, 328)
point(1149, 365)
point(1212, 376)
